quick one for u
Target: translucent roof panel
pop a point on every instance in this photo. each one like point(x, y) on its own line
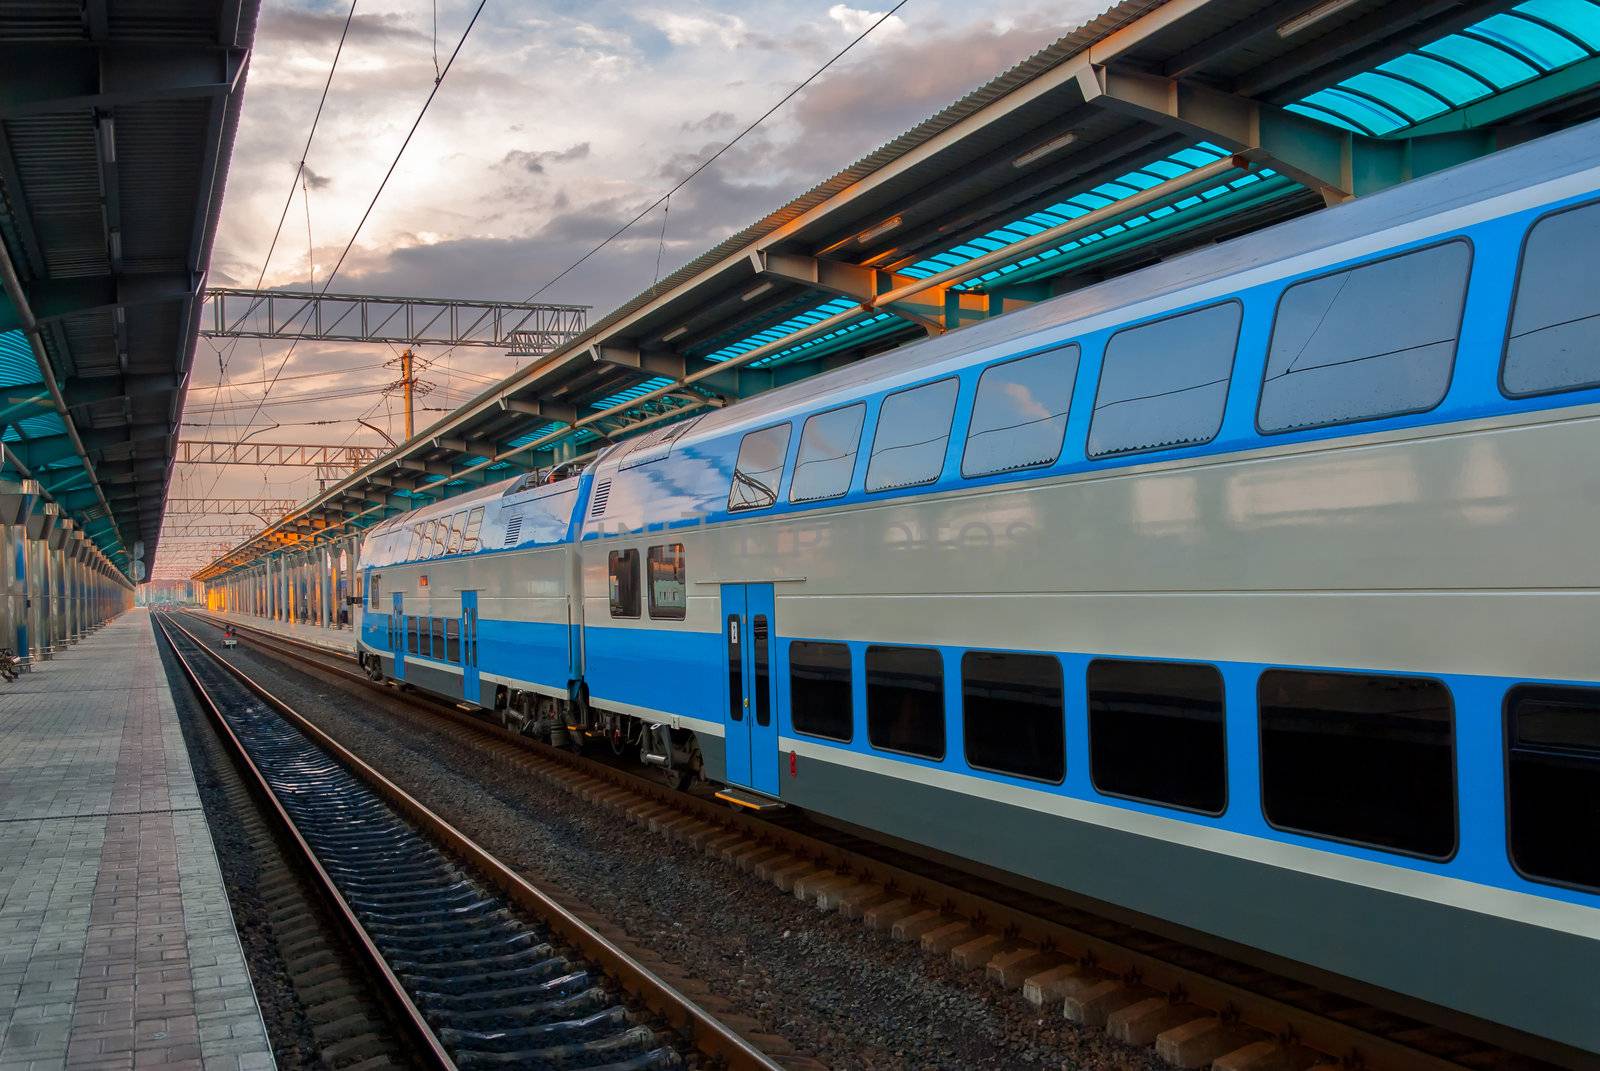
point(1533, 39)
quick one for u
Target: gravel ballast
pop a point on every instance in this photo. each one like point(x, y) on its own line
point(846, 994)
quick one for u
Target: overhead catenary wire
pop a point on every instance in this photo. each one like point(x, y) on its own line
point(708, 161)
point(305, 150)
point(371, 204)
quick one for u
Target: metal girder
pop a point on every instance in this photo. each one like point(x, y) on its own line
point(931, 309)
point(657, 362)
point(534, 328)
point(1312, 153)
point(216, 507)
point(44, 78)
point(1335, 163)
point(96, 440)
point(276, 455)
point(561, 412)
point(86, 390)
point(52, 299)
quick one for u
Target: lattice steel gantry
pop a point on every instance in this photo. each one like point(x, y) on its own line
point(523, 329)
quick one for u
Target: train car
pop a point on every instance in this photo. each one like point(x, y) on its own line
point(1254, 592)
point(475, 599)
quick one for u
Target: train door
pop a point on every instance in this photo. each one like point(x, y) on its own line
point(397, 635)
point(751, 724)
point(469, 647)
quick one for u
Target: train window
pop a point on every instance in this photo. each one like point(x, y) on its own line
point(452, 639)
point(441, 535)
point(1019, 417)
point(829, 443)
point(1163, 384)
point(1372, 341)
point(431, 545)
point(414, 636)
point(1359, 758)
point(820, 702)
point(913, 431)
point(1014, 713)
point(905, 700)
point(1156, 733)
point(1553, 783)
point(374, 586)
point(411, 547)
point(438, 637)
point(623, 566)
point(1553, 343)
point(761, 658)
point(759, 468)
point(735, 671)
point(668, 582)
point(469, 542)
point(458, 528)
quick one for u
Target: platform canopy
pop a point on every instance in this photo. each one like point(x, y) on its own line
point(1153, 129)
point(116, 122)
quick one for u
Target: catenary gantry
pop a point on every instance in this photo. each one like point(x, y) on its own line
point(1153, 129)
point(116, 122)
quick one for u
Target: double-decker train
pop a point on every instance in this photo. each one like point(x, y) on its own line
point(1256, 592)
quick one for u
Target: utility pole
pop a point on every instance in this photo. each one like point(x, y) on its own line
point(409, 386)
point(407, 380)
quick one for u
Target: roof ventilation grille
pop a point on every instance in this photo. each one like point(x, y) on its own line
point(513, 530)
point(602, 495)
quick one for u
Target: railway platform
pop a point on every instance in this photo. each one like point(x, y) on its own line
point(117, 944)
point(338, 640)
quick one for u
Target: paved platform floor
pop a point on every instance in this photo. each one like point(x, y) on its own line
point(117, 944)
point(342, 640)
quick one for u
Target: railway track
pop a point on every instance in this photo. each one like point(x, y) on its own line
point(1196, 1006)
point(480, 968)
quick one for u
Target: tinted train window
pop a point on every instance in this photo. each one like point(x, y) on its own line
point(1013, 714)
point(1373, 341)
point(416, 541)
point(414, 634)
point(1164, 384)
point(761, 658)
point(1553, 783)
point(668, 583)
point(1554, 341)
point(623, 567)
point(1019, 417)
point(474, 526)
point(438, 637)
point(452, 639)
point(374, 586)
point(1156, 733)
point(759, 468)
point(1359, 758)
point(828, 446)
point(913, 430)
point(905, 700)
point(820, 701)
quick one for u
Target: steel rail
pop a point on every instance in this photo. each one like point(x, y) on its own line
point(709, 1034)
point(430, 1048)
point(1276, 1018)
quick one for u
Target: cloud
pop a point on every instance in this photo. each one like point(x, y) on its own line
point(857, 22)
point(692, 31)
point(718, 120)
point(533, 162)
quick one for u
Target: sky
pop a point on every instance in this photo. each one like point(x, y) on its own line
point(557, 123)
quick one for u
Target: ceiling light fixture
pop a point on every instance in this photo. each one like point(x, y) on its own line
point(878, 231)
point(1307, 19)
point(1040, 151)
point(755, 292)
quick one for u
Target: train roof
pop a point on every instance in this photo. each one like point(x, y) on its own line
point(1508, 171)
